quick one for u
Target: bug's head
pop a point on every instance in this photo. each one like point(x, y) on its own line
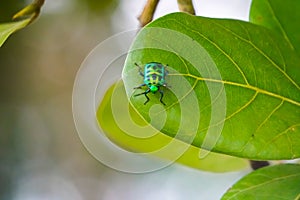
point(153, 88)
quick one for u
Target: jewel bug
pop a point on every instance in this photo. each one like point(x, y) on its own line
point(154, 74)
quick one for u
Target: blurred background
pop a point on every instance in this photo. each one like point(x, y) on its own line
point(41, 156)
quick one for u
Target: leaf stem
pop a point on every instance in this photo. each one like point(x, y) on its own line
point(186, 6)
point(148, 12)
point(256, 164)
point(39, 2)
point(32, 10)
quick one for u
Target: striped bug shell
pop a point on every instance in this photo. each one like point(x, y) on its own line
point(154, 74)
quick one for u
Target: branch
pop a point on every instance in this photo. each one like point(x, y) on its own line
point(255, 164)
point(186, 6)
point(148, 12)
point(32, 10)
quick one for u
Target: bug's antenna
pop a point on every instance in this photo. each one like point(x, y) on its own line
point(140, 69)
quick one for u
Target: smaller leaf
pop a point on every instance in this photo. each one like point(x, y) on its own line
point(8, 28)
point(213, 162)
point(274, 182)
point(30, 13)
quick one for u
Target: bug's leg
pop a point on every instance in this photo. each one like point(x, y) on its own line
point(140, 70)
point(140, 86)
point(145, 93)
point(161, 96)
point(147, 98)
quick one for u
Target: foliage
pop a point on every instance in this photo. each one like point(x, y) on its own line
point(8, 28)
point(274, 182)
point(28, 14)
point(257, 69)
point(212, 162)
point(234, 84)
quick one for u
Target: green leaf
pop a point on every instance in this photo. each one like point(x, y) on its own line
point(8, 28)
point(29, 13)
point(116, 133)
point(274, 182)
point(280, 16)
point(234, 85)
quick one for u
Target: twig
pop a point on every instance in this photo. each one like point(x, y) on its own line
point(255, 164)
point(186, 6)
point(148, 12)
point(32, 10)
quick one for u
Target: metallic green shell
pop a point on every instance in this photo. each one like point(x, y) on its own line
point(154, 74)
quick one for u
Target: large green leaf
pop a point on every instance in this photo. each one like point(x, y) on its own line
point(280, 16)
point(243, 79)
point(8, 28)
point(116, 132)
point(274, 182)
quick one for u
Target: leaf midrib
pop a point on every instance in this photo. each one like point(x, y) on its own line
point(256, 89)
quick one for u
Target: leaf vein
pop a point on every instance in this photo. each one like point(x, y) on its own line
point(243, 107)
point(262, 53)
point(219, 48)
point(234, 113)
point(180, 99)
point(282, 133)
point(280, 26)
point(269, 116)
point(291, 145)
point(264, 183)
point(180, 58)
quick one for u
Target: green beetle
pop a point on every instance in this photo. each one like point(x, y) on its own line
point(154, 78)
